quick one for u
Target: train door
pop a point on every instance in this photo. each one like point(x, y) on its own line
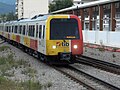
point(41, 40)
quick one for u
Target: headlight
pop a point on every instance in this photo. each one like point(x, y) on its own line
point(54, 47)
point(75, 46)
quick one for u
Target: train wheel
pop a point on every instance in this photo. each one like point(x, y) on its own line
point(41, 57)
point(46, 59)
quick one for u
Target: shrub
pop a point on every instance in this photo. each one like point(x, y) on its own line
point(2, 48)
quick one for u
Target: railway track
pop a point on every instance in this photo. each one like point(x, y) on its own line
point(85, 79)
point(2, 41)
point(109, 67)
point(88, 81)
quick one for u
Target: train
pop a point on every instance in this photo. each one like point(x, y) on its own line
point(53, 38)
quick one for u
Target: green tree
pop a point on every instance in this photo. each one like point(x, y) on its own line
point(8, 17)
point(3, 17)
point(60, 4)
point(11, 16)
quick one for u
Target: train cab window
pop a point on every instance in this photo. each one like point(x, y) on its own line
point(64, 29)
point(16, 28)
point(40, 30)
point(24, 30)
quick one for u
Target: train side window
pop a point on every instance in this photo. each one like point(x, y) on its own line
point(20, 29)
point(16, 27)
point(40, 30)
point(5, 28)
point(36, 31)
point(43, 31)
point(12, 29)
point(9, 30)
point(29, 30)
point(33, 30)
point(24, 30)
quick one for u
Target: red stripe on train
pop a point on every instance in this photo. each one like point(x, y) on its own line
point(33, 44)
point(78, 42)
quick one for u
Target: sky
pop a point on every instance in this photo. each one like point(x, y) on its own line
point(8, 1)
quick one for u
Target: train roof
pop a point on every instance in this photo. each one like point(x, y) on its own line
point(35, 18)
point(90, 4)
point(9, 22)
point(44, 17)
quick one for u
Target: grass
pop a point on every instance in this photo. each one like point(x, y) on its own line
point(6, 84)
point(2, 60)
point(2, 48)
point(6, 64)
point(29, 71)
point(30, 85)
point(102, 49)
point(24, 63)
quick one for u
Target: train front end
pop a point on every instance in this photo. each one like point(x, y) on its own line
point(64, 38)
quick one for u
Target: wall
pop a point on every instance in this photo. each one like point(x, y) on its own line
point(107, 38)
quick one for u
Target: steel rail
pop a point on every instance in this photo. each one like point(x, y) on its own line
point(110, 67)
point(74, 78)
point(1, 42)
point(106, 84)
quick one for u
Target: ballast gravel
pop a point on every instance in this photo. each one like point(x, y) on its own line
point(108, 56)
point(45, 74)
point(58, 81)
point(111, 78)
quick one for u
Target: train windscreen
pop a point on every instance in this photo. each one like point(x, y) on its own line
point(64, 29)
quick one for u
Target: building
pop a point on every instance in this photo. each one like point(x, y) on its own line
point(30, 8)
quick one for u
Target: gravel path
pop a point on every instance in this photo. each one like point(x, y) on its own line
point(44, 74)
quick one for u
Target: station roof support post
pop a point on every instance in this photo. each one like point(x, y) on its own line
point(90, 18)
point(101, 17)
point(113, 21)
point(82, 18)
